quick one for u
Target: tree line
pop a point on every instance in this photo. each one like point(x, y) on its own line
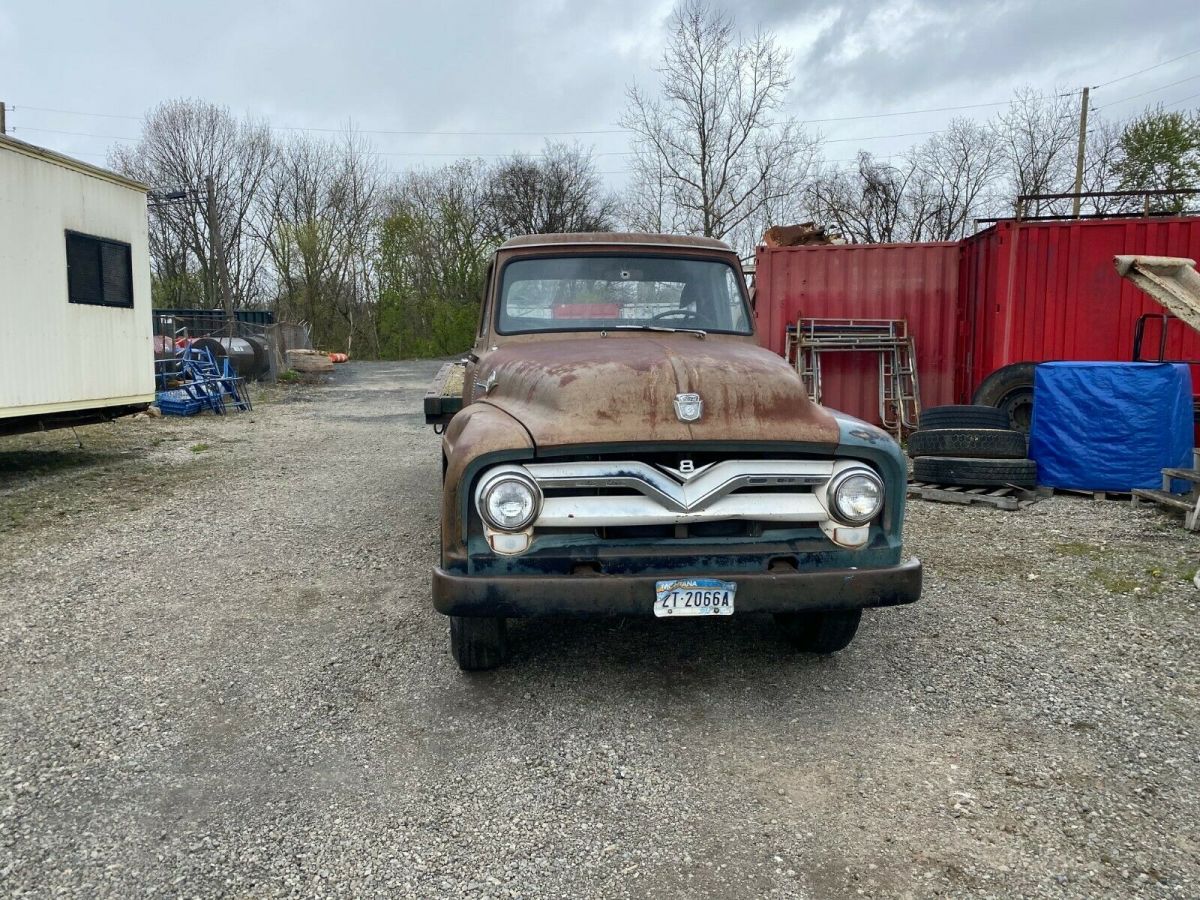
point(392, 266)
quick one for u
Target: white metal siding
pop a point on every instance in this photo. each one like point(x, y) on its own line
point(56, 355)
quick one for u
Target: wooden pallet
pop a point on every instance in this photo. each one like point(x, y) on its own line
point(1008, 498)
point(1188, 503)
point(1079, 492)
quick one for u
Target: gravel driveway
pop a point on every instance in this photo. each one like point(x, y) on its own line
point(222, 676)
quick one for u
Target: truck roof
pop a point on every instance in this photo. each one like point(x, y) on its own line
point(615, 237)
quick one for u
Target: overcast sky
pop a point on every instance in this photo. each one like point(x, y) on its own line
point(562, 66)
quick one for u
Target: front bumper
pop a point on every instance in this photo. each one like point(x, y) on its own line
point(514, 596)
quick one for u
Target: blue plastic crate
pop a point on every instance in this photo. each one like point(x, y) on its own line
point(178, 403)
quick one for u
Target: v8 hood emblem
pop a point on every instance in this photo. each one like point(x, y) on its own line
point(688, 407)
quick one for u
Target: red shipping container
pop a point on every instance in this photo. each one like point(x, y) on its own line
point(1015, 292)
point(916, 282)
point(1039, 291)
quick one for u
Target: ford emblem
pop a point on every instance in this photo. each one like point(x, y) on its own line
point(688, 407)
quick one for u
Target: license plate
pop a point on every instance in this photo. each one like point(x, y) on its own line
point(694, 597)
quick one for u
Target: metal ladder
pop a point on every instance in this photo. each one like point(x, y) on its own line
point(899, 386)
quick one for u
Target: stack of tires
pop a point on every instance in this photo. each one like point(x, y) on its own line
point(970, 446)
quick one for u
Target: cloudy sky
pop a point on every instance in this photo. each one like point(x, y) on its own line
point(560, 69)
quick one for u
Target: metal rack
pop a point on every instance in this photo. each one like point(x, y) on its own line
point(195, 380)
point(888, 339)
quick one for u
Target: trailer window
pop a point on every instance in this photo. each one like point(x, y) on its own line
point(99, 271)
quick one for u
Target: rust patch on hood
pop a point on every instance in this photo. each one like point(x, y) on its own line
point(621, 388)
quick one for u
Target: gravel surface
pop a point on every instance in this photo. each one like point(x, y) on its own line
point(221, 675)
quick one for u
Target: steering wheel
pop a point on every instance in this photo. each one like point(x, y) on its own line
point(675, 314)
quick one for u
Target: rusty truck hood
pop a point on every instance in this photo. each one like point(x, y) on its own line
point(622, 388)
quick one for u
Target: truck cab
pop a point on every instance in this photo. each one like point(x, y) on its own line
point(617, 443)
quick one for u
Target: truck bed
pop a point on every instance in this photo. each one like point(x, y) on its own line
point(444, 397)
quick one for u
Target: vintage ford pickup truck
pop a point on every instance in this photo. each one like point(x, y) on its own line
point(617, 443)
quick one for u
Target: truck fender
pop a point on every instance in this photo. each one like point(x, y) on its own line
point(478, 435)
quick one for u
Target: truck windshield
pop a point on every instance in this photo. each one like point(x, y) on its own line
point(592, 293)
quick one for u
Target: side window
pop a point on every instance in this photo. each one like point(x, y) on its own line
point(99, 271)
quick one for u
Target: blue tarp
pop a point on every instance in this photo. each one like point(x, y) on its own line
point(1106, 426)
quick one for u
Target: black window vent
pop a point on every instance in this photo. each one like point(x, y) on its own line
point(99, 271)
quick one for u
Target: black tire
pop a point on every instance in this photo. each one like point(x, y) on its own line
point(1010, 390)
point(963, 417)
point(826, 632)
point(975, 472)
point(478, 643)
point(972, 443)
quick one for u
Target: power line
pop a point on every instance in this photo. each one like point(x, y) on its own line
point(117, 137)
point(481, 133)
point(847, 140)
point(77, 112)
point(910, 112)
point(1153, 90)
point(409, 132)
point(108, 137)
point(879, 137)
point(1184, 100)
point(452, 133)
point(1147, 69)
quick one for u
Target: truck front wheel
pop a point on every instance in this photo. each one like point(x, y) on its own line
point(823, 633)
point(478, 642)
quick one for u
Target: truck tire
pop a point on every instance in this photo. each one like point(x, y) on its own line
point(940, 417)
point(478, 643)
point(1010, 390)
point(975, 472)
point(824, 633)
point(973, 443)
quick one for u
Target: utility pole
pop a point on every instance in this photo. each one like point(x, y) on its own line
point(3, 126)
point(218, 251)
point(1083, 111)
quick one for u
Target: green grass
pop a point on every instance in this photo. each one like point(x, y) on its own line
point(198, 448)
point(1114, 582)
point(1149, 581)
point(289, 376)
point(1075, 548)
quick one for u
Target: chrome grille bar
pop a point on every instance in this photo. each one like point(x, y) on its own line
point(695, 493)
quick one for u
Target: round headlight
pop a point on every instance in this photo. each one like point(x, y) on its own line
point(858, 498)
point(510, 504)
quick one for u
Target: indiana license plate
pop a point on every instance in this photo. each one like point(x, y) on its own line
point(694, 597)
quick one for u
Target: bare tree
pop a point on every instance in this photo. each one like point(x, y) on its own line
point(866, 204)
point(323, 202)
point(647, 204)
point(1038, 134)
point(713, 146)
point(932, 193)
point(959, 168)
point(183, 141)
point(557, 192)
point(1101, 168)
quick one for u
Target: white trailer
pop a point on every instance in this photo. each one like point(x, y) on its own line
point(76, 340)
